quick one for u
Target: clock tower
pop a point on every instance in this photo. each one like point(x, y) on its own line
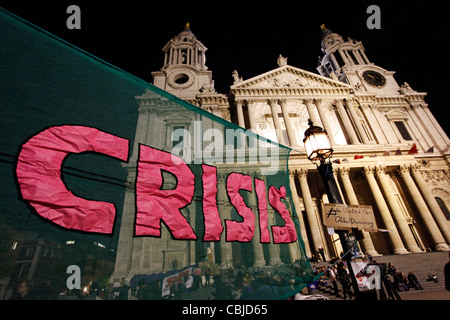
point(184, 71)
point(185, 74)
point(347, 61)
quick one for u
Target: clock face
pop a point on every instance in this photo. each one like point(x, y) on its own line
point(374, 78)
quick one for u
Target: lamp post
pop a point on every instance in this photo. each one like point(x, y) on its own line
point(319, 149)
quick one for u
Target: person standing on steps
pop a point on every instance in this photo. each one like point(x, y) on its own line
point(321, 253)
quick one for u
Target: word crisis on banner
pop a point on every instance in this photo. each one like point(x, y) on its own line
point(341, 216)
point(38, 173)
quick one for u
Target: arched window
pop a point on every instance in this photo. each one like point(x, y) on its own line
point(443, 207)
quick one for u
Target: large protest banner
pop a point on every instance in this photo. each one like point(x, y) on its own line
point(102, 171)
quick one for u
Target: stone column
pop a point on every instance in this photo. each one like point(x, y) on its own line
point(323, 117)
point(347, 122)
point(373, 121)
point(310, 212)
point(276, 120)
point(126, 240)
point(312, 115)
point(353, 200)
point(402, 224)
point(251, 115)
point(357, 122)
point(195, 56)
point(240, 113)
point(288, 124)
point(224, 207)
point(438, 134)
point(179, 56)
point(384, 211)
point(431, 202)
point(299, 212)
point(335, 175)
point(166, 58)
point(344, 57)
point(256, 241)
point(440, 244)
point(36, 257)
point(274, 249)
point(188, 56)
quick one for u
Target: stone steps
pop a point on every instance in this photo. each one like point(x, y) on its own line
point(421, 264)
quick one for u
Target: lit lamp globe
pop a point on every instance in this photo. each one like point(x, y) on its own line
point(317, 143)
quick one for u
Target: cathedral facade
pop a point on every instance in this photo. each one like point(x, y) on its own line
point(389, 150)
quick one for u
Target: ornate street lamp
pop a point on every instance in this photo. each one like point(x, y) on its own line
point(318, 148)
point(317, 143)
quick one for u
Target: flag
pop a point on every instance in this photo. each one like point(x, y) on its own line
point(386, 154)
point(358, 157)
point(413, 149)
point(337, 161)
point(345, 159)
point(373, 156)
point(398, 152)
point(431, 150)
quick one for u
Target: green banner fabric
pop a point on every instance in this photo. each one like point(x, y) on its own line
point(114, 189)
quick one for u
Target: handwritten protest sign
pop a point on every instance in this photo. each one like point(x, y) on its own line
point(341, 216)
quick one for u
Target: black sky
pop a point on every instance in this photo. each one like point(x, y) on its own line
point(248, 36)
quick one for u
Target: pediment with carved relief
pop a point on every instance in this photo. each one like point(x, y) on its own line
point(288, 77)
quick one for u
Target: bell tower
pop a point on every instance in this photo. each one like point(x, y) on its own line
point(347, 61)
point(184, 72)
point(340, 55)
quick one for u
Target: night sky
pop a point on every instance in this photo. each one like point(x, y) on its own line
point(248, 36)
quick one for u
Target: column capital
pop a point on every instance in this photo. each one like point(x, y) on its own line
point(318, 102)
point(292, 173)
point(404, 168)
point(272, 101)
point(282, 102)
point(344, 171)
point(222, 177)
point(335, 171)
point(301, 173)
point(380, 169)
point(416, 168)
point(349, 100)
point(249, 102)
point(338, 102)
point(308, 101)
point(369, 170)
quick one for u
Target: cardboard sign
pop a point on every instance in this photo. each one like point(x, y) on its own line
point(341, 216)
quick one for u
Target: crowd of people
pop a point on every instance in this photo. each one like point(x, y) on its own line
point(234, 283)
point(402, 282)
point(240, 283)
point(338, 273)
